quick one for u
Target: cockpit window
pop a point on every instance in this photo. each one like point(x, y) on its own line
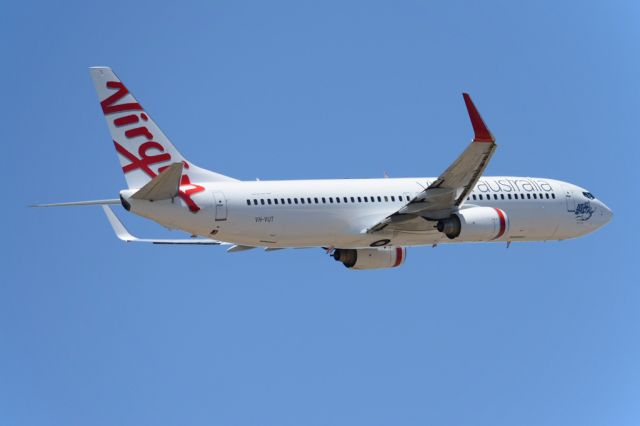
point(589, 195)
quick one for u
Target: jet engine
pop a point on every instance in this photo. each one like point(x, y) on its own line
point(371, 258)
point(475, 224)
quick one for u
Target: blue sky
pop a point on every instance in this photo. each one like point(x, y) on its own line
point(94, 331)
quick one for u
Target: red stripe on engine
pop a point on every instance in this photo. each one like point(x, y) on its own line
point(398, 256)
point(503, 224)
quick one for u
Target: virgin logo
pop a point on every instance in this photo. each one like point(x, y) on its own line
point(149, 152)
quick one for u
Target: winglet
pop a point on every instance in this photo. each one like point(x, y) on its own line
point(118, 227)
point(480, 130)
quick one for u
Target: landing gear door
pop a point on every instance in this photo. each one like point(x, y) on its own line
point(221, 206)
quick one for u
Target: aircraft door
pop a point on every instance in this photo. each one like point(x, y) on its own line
point(221, 206)
point(571, 201)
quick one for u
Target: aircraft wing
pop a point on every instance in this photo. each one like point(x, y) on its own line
point(451, 188)
point(123, 234)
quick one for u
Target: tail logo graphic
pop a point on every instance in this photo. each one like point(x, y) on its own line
point(149, 152)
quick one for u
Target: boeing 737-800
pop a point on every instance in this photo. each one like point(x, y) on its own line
point(363, 223)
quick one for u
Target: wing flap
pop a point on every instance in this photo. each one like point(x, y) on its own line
point(239, 247)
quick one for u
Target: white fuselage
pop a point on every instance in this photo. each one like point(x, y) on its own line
point(337, 213)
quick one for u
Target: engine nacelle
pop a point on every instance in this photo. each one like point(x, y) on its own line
point(475, 224)
point(371, 258)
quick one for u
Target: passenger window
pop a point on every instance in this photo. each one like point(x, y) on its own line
point(408, 199)
point(255, 202)
point(480, 197)
point(262, 201)
point(338, 200)
point(288, 200)
point(345, 200)
point(386, 199)
point(301, 200)
point(275, 201)
point(353, 200)
point(324, 200)
point(547, 195)
point(393, 199)
point(248, 202)
point(474, 196)
point(502, 196)
point(331, 200)
point(509, 196)
point(359, 199)
point(379, 199)
point(366, 199)
point(553, 196)
point(495, 196)
point(528, 196)
point(535, 197)
point(295, 200)
point(315, 199)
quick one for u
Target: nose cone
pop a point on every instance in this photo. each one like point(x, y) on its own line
point(603, 213)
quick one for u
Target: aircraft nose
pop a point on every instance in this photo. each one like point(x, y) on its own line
point(605, 213)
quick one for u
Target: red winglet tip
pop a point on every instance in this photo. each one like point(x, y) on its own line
point(480, 130)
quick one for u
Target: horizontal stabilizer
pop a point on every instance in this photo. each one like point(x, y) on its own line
point(163, 186)
point(124, 235)
point(80, 203)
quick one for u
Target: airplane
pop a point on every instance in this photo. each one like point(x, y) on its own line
point(362, 223)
